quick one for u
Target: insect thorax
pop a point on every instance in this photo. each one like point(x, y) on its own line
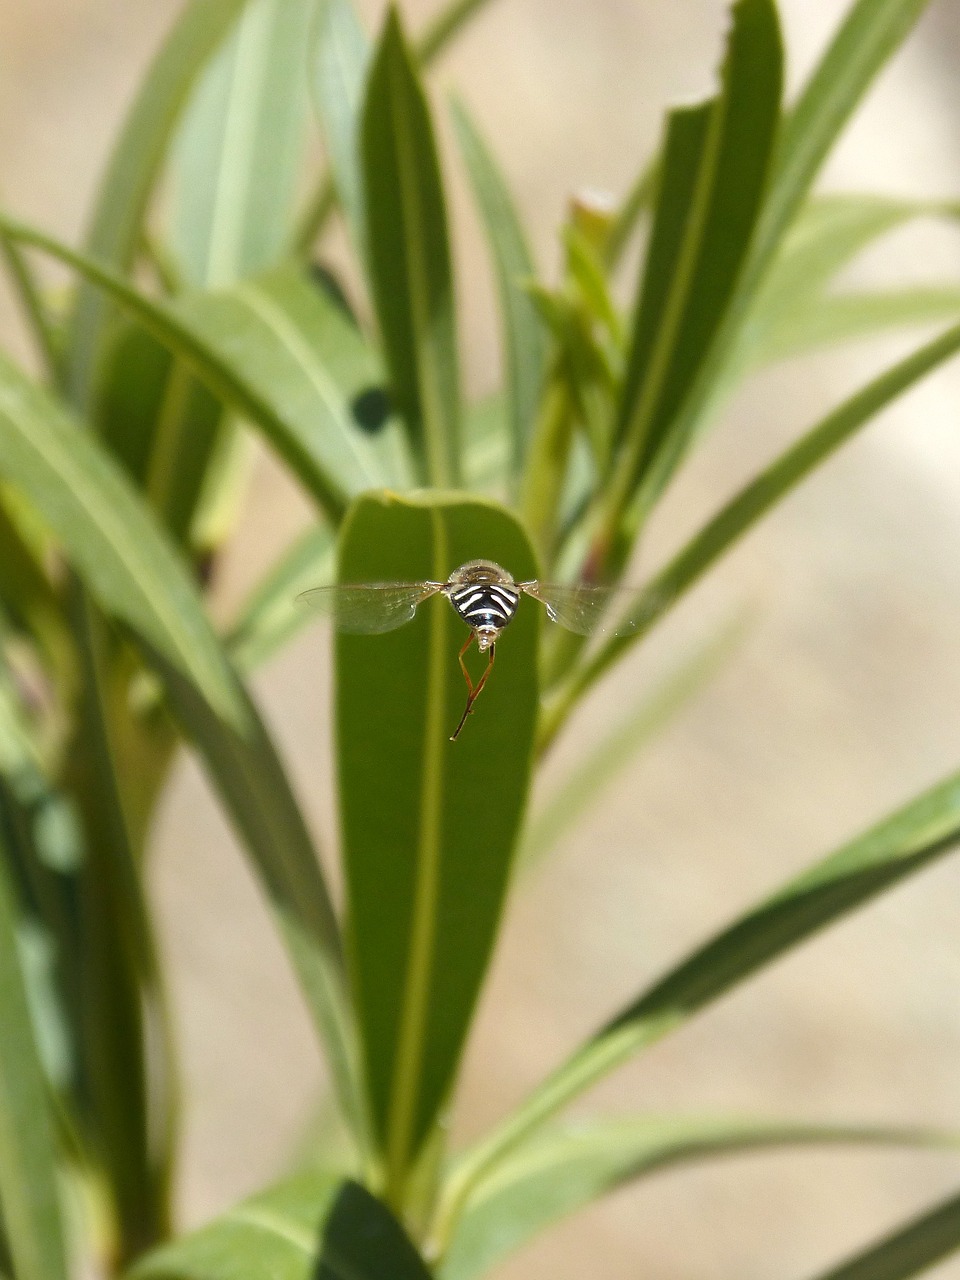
point(485, 596)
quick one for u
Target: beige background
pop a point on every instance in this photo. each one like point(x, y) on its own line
point(842, 702)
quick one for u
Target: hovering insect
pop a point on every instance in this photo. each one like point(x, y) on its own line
point(482, 593)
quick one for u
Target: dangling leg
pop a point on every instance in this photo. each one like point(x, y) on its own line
point(474, 690)
point(463, 666)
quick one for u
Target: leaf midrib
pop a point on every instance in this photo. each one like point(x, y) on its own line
point(416, 992)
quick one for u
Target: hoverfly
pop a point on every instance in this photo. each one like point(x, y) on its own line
point(481, 592)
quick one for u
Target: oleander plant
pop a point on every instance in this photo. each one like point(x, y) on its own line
point(201, 313)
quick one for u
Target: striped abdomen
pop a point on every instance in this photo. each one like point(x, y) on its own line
point(485, 606)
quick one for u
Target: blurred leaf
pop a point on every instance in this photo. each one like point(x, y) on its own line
point(828, 321)
point(523, 338)
point(35, 312)
point(160, 422)
point(580, 790)
point(29, 1199)
point(427, 865)
point(638, 200)
point(867, 38)
point(240, 146)
point(109, 537)
point(256, 346)
point(272, 614)
point(447, 24)
point(312, 1227)
point(28, 596)
point(870, 34)
point(341, 59)
point(566, 1167)
point(750, 505)
point(250, 780)
point(408, 256)
point(487, 443)
point(131, 173)
point(906, 842)
point(913, 1248)
point(715, 165)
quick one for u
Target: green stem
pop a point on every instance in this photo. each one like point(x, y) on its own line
point(33, 306)
point(546, 467)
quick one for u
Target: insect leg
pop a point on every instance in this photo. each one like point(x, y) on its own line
point(463, 666)
point(474, 690)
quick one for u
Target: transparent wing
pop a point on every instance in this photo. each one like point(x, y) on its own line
point(590, 610)
point(371, 607)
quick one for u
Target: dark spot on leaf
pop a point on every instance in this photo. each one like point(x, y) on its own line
point(371, 409)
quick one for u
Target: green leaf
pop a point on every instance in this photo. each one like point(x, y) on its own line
point(272, 615)
point(911, 839)
point(341, 59)
point(29, 1200)
point(442, 30)
point(256, 346)
point(131, 173)
point(566, 1167)
point(240, 146)
point(426, 865)
point(913, 1248)
point(749, 506)
point(716, 159)
point(844, 317)
point(122, 556)
point(312, 1227)
point(252, 785)
point(408, 256)
point(523, 338)
point(870, 34)
point(159, 422)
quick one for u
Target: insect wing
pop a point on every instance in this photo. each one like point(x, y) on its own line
point(588, 610)
point(369, 608)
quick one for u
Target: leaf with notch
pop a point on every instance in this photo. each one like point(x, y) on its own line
point(715, 164)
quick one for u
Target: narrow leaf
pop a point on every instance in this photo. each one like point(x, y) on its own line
point(258, 347)
point(427, 865)
point(409, 257)
point(565, 1168)
point(132, 170)
point(909, 840)
point(716, 158)
point(240, 147)
point(121, 554)
point(252, 785)
point(272, 615)
point(846, 317)
point(312, 1227)
point(341, 59)
point(523, 338)
point(29, 1200)
point(914, 1248)
point(750, 505)
point(870, 34)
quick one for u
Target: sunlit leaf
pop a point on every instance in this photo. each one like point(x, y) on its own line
point(427, 864)
point(566, 1167)
point(408, 256)
point(313, 1227)
point(523, 338)
point(912, 838)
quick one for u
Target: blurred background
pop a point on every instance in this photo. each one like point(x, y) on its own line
point(841, 700)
